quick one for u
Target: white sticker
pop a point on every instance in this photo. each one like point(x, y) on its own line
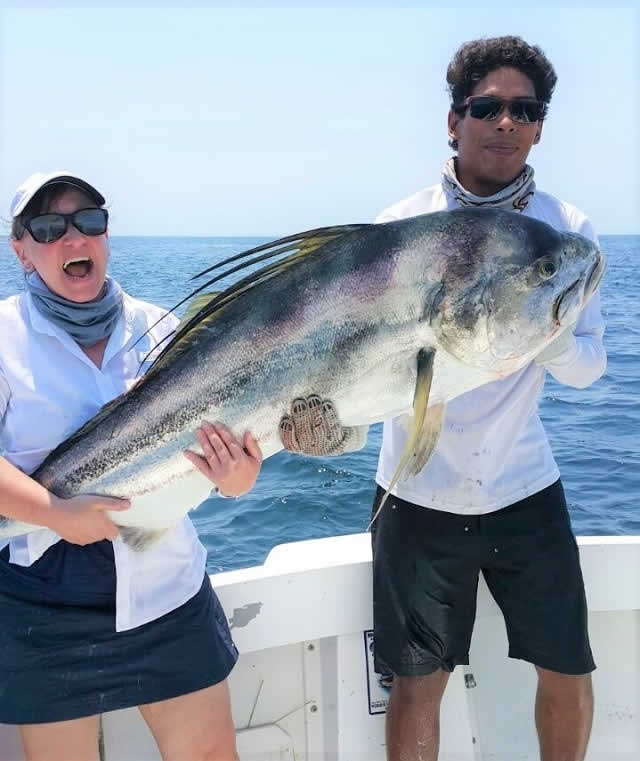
point(377, 694)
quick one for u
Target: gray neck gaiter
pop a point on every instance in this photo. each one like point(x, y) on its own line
point(88, 322)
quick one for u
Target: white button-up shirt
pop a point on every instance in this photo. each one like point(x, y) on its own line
point(492, 450)
point(48, 389)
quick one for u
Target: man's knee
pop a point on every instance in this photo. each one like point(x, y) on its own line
point(217, 755)
point(421, 690)
point(200, 752)
point(574, 688)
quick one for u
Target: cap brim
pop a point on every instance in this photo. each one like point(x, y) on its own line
point(65, 179)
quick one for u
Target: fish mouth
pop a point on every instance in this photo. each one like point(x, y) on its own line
point(562, 305)
point(79, 267)
point(595, 276)
point(591, 282)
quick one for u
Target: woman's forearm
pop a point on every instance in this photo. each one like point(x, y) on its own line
point(22, 498)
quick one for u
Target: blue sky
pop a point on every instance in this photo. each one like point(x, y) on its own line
point(266, 121)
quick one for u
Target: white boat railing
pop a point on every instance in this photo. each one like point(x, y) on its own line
point(304, 690)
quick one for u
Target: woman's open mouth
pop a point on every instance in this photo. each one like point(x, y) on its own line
point(78, 268)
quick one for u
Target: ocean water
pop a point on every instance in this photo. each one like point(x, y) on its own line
point(594, 432)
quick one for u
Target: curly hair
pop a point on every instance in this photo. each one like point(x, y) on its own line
point(477, 58)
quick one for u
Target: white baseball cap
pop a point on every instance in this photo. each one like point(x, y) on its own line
point(37, 181)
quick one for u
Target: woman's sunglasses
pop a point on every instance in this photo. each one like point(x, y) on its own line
point(488, 108)
point(47, 228)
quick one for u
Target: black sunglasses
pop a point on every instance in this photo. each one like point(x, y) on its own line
point(47, 228)
point(488, 108)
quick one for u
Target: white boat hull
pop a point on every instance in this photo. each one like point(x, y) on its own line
point(303, 689)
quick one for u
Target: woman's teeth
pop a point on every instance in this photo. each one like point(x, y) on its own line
point(77, 267)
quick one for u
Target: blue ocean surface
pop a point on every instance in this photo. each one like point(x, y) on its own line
point(594, 432)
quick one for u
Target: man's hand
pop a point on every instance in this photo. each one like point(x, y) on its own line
point(563, 347)
point(313, 428)
point(232, 466)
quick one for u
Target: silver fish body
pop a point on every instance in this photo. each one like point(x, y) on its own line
point(344, 316)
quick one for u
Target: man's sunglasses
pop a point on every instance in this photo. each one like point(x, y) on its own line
point(47, 228)
point(488, 108)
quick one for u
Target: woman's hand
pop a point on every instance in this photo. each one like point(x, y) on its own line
point(82, 519)
point(233, 467)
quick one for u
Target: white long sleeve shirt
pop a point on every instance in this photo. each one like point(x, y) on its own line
point(493, 450)
point(48, 389)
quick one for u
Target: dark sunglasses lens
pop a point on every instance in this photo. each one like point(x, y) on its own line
point(485, 108)
point(47, 227)
point(91, 221)
point(526, 111)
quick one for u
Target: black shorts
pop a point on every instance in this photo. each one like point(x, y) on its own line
point(425, 579)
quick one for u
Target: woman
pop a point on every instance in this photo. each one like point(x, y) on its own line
point(87, 625)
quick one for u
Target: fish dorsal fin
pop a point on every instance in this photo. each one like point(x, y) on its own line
point(417, 445)
point(196, 304)
point(308, 241)
point(296, 247)
point(303, 243)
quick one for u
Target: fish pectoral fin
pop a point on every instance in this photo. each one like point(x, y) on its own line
point(428, 439)
point(140, 539)
point(417, 442)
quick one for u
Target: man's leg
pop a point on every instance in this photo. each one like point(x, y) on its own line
point(534, 574)
point(425, 579)
point(564, 713)
point(413, 717)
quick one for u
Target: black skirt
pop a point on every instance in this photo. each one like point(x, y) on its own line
point(61, 658)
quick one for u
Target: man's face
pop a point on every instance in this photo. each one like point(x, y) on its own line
point(493, 153)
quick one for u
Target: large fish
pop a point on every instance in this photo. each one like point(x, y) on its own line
point(381, 319)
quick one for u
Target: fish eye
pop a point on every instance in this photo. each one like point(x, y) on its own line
point(546, 268)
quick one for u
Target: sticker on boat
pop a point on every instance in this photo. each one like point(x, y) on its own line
point(377, 690)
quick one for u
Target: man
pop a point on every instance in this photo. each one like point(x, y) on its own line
point(490, 498)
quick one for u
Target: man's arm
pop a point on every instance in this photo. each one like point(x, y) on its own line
point(578, 358)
